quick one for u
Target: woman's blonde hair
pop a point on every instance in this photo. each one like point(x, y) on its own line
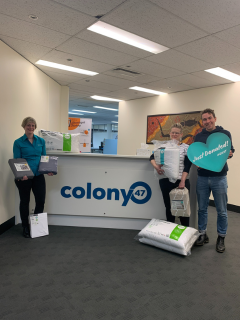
point(178, 126)
point(27, 120)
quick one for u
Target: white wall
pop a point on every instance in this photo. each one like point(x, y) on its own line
point(25, 91)
point(224, 99)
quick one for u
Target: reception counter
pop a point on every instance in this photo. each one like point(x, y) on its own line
point(106, 191)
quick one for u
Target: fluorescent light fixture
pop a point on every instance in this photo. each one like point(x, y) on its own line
point(224, 74)
point(80, 114)
point(63, 67)
point(147, 90)
point(115, 33)
point(105, 98)
point(84, 111)
point(105, 108)
point(114, 121)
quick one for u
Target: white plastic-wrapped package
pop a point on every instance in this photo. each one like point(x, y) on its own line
point(169, 236)
point(60, 141)
point(168, 156)
point(38, 225)
point(180, 204)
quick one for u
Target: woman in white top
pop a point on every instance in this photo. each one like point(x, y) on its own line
point(184, 166)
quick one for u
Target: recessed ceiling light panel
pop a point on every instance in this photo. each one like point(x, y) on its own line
point(63, 67)
point(84, 111)
point(105, 98)
point(105, 108)
point(148, 90)
point(115, 33)
point(224, 74)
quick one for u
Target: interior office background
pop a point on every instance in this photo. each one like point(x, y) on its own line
point(25, 90)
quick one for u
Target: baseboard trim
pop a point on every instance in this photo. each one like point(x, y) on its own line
point(230, 207)
point(7, 225)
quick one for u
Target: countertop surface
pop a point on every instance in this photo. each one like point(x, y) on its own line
point(96, 155)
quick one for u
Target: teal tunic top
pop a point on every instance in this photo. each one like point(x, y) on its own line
point(32, 152)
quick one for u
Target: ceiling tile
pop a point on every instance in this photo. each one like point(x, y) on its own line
point(180, 61)
point(91, 102)
point(211, 77)
point(92, 7)
point(112, 44)
point(142, 78)
point(74, 95)
point(128, 94)
point(50, 15)
point(168, 86)
point(233, 67)
point(92, 84)
point(147, 20)
point(78, 62)
point(154, 69)
point(193, 81)
point(121, 83)
point(28, 50)
point(88, 89)
point(30, 32)
point(211, 49)
point(93, 51)
point(209, 15)
point(231, 36)
point(145, 78)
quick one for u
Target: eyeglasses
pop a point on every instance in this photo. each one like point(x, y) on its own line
point(176, 133)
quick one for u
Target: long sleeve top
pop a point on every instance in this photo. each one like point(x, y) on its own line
point(32, 152)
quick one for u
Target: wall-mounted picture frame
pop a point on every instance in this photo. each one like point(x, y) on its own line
point(158, 126)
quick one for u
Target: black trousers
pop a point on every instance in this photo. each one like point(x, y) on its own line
point(38, 186)
point(166, 186)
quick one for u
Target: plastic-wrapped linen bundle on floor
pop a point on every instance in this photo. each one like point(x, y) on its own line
point(167, 154)
point(61, 141)
point(180, 204)
point(169, 236)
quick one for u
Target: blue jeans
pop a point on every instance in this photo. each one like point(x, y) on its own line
point(218, 186)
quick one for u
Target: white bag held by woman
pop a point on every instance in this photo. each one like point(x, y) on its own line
point(38, 225)
point(180, 204)
point(169, 236)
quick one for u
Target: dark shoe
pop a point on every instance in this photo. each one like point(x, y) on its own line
point(203, 238)
point(26, 232)
point(220, 247)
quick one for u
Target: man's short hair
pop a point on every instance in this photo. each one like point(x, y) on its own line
point(208, 110)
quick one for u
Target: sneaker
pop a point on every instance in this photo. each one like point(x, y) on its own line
point(203, 238)
point(220, 247)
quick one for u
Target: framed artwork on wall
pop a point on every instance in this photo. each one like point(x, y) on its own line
point(158, 126)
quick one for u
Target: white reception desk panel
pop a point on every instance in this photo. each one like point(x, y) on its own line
point(97, 190)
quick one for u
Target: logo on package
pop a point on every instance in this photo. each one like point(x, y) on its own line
point(139, 193)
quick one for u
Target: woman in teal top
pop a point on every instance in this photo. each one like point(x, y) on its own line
point(31, 148)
